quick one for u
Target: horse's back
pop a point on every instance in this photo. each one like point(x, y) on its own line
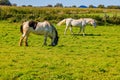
point(78, 22)
point(43, 27)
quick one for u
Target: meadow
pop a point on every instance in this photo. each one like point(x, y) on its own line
point(92, 57)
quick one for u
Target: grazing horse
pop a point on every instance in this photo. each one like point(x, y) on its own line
point(40, 28)
point(73, 22)
point(81, 23)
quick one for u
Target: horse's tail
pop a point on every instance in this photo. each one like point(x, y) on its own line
point(61, 22)
point(21, 28)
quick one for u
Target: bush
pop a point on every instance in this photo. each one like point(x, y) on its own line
point(16, 14)
point(114, 20)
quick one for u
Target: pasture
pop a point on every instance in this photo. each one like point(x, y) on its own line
point(92, 57)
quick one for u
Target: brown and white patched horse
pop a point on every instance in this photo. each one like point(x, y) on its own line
point(39, 28)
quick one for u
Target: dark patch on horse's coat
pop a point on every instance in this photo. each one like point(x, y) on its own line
point(33, 24)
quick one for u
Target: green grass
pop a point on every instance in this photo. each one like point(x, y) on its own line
point(93, 57)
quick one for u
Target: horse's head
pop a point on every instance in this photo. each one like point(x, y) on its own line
point(55, 42)
point(93, 23)
point(56, 38)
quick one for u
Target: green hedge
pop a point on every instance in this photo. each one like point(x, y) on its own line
point(17, 14)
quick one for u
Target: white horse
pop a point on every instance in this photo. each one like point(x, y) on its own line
point(40, 28)
point(81, 23)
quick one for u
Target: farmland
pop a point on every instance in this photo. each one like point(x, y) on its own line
point(92, 57)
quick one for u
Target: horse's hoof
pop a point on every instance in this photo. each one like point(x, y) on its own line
point(26, 45)
point(44, 45)
point(52, 45)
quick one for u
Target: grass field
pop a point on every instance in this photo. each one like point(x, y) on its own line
point(93, 57)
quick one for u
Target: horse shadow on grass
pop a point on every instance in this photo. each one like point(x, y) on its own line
point(74, 36)
point(87, 34)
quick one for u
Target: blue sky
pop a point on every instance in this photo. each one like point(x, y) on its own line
point(66, 2)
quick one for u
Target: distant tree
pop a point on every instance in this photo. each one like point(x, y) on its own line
point(5, 2)
point(14, 4)
point(91, 6)
point(23, 5)
point(74, 6)
point(29, 5)
point(101, 6)
point(58, 5)
point(49, 5)
point(113, 7)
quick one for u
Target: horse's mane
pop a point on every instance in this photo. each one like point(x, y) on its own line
point(54, 29)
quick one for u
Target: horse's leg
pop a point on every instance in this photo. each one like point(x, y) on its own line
point(45, 39)
point(20, 42)
point(25, 42)
point(24, 36)
point(21, 39)
point(83, 28)
point(71, 30)
point(65, 30)
point(80, 30)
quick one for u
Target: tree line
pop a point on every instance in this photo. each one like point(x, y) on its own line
point(8, 3)
point(5, 2)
